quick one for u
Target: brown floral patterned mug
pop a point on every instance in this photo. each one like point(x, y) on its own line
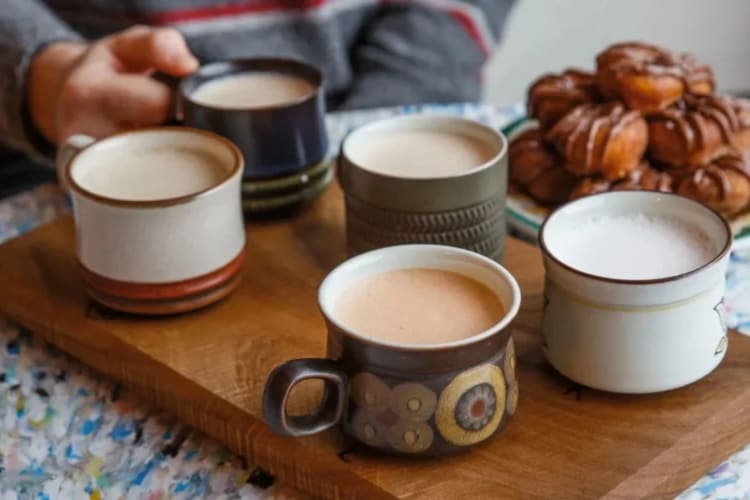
point(414, 399)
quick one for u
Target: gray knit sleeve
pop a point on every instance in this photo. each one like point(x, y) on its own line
point(422, 52)
point(25, 27)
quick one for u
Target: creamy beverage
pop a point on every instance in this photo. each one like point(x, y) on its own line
point(252, 90)
point(421, 153)
point(418, 306)
point(153, 174)
point(636, 247)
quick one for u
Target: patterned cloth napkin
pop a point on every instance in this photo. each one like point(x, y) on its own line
point(67, 433)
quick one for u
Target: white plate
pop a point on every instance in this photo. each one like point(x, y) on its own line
point(525, 216)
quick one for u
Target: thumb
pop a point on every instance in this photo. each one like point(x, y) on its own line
point(161, 49)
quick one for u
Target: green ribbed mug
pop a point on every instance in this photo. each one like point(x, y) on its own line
point(464, 208)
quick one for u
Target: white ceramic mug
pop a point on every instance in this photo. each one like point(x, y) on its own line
point(156, 240)
point(634, 336)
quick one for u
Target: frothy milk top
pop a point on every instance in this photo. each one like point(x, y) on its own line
point(252, 90)
point(418, 306)
point(635, 247)
point(420, 153)
point(154, 174)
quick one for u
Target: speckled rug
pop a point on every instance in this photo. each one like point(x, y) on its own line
point(67, 432)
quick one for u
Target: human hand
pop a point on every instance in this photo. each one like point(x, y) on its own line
point(105, 87)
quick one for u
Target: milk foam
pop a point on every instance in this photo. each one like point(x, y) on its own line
point(154, 173)
point(421, 153)
point(636, 247)
point(252, 90)
point(418, 306)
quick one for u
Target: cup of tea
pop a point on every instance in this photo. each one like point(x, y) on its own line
point(273, 109)
point(420, 357)
point(425, 179)
point(634, 290)
point(158, 217)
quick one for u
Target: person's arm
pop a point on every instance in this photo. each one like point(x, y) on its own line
point(53, 85)
point(26, 27)
point(425, 51)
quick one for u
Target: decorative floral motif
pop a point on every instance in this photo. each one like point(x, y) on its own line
point(512, 402)
point(510, 361)
point(413, 401)
point(723, 341)
point(392, 416)
point(722, 313)
point(471, 407)
point(368, 391)
point(368, 428)
point(476, 407)
point(410, 437)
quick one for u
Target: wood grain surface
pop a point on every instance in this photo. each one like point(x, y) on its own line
point(209, 367)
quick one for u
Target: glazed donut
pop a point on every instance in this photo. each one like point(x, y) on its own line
point(552, 96)
point(600, 139)
point(642, 178)
point(741, 108)
point(693, 131)
point(698, 77)
point(650, 78)
point(723, 185)
point(537, 170)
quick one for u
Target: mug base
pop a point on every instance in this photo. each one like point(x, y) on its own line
point(655, 387)
point(270, 205)
point(165, 307)
point(177, 290)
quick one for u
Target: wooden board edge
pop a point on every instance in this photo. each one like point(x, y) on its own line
point(698, 451)
point(318, 475)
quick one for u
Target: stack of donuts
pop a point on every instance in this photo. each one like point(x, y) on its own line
point(647, 119)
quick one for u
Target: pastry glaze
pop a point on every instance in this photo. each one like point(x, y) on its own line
point(650, 78)
point(552, 96)
point(604, 139)
point(693, 131)
point(723, 185)
point(537, 169)
point(643, 178)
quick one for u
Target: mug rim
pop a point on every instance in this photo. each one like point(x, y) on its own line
point(246, 65)
point(627, 281)
point(373, 126)
point(510, 313)
point(236, 170)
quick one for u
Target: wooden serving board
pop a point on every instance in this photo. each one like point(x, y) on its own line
point(209, 367)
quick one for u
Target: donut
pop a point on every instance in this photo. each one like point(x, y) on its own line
point(536, 169)
point(552, 96)
point(693, 131)
point(600, 139)
point(649, 78)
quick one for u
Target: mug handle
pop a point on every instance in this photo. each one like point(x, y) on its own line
point(176, 114)
point(279, 386)
point(65, 154)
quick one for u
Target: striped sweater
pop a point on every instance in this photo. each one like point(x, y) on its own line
point(371, 52)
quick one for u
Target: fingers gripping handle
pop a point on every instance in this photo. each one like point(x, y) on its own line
point(279, 386)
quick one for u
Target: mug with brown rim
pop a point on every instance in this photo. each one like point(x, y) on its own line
point(158, 217)
point(397, 391)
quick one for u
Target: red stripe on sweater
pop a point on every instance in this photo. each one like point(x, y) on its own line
point(210, 12)
point(471, 28)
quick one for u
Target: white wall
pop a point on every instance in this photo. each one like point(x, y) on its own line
point(550, 35)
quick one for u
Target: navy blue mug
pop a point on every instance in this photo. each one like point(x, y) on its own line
point(277, 139)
